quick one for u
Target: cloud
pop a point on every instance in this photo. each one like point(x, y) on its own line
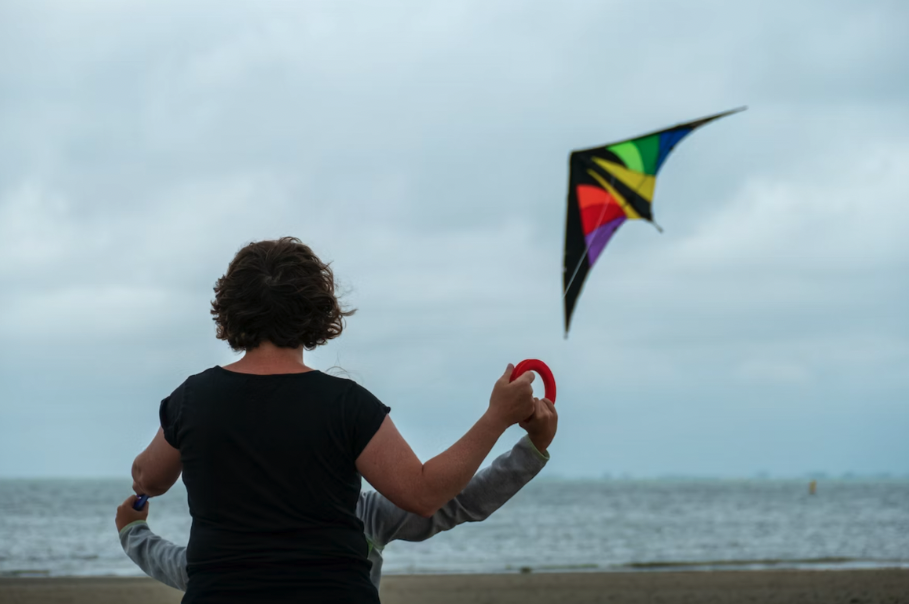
point(841, 216)
point(422, 149)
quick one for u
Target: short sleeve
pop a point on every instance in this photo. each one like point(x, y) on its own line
point(364, 414)
point(169, 413)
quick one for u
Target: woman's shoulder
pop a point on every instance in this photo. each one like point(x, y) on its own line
point(341, 382)
point(206, 376)
point(346, 390)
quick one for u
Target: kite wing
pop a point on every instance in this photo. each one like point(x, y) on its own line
point(607, 186)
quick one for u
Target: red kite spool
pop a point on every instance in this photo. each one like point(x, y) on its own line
point(541, 368)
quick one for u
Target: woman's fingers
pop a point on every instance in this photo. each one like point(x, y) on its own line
point(528, 376)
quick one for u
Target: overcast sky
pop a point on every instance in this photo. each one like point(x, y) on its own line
point(422, 147)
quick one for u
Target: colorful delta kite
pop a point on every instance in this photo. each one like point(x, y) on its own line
point(607, 186)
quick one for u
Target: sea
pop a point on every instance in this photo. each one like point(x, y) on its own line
point(66, 528)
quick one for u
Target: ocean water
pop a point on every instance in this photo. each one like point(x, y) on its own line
point(67, 528)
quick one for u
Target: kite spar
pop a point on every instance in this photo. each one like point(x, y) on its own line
point(607, 186)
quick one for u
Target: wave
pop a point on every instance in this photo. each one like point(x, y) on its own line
point(826, 563)
point(25, 573)
point(764, 563)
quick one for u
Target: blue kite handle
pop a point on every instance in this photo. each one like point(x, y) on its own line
point(140, 502)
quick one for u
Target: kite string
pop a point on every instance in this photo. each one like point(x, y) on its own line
point(586, 249)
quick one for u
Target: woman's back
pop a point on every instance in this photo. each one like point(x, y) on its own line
point(270, 451)
point(269, 467)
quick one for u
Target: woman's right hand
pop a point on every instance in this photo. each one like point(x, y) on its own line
point(389, 464)
point(511, 402)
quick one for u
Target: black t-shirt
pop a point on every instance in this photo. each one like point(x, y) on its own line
point(269, 468)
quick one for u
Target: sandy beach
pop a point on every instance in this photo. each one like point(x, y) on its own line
point(772, 587)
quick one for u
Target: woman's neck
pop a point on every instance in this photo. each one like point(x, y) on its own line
point(267, 359)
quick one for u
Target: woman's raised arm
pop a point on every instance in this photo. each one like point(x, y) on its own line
point(390, 465)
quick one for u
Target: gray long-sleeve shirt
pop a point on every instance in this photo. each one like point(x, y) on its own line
point(383, 521)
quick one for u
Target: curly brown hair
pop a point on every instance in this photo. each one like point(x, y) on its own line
point(280, 292)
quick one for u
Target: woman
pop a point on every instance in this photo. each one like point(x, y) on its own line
point(272, 451)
